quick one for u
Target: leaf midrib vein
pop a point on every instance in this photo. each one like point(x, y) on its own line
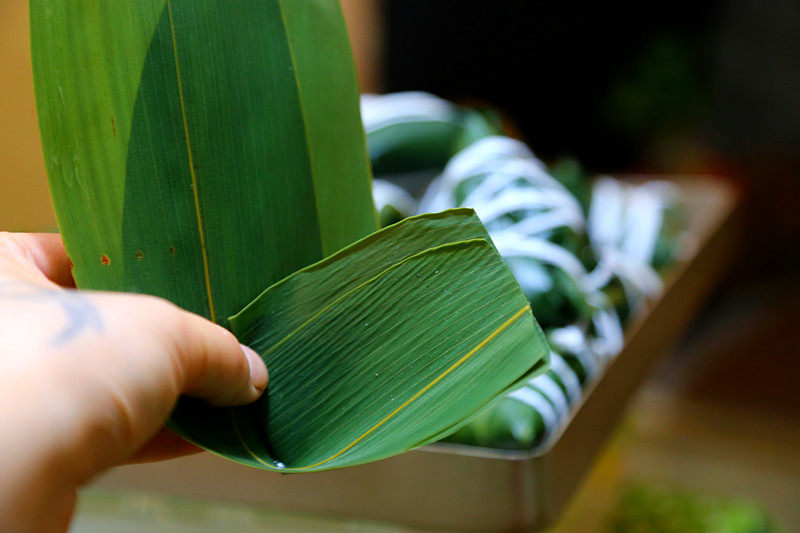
point(455, 365)
point(195, 192)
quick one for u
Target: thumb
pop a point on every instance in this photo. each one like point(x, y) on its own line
point(213, 365)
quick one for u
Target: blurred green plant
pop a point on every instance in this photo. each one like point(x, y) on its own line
point(655, 508)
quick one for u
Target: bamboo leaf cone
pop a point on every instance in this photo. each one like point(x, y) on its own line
point(203, 151)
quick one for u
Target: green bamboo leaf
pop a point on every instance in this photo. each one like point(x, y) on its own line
point(202, 150)
point(378, 362)
point(291, 300)
point(214, 145)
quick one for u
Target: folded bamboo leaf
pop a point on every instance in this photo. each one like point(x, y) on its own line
point(376, 360)
point(199, 150)
point(383, 346)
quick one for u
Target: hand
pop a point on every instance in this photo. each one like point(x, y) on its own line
point(87, 380)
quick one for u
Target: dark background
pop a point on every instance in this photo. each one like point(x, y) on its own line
point(667, 87)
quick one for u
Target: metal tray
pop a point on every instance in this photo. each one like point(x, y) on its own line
point(445, 486)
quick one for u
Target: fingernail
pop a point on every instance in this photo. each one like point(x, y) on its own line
point(258, 370)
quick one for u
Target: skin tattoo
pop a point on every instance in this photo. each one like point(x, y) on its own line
point(80, 313)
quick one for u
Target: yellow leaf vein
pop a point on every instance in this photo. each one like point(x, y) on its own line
point(203, 249)
point(505, 325)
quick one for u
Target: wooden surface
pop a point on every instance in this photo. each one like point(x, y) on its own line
point(446, 487)
point(702, 446)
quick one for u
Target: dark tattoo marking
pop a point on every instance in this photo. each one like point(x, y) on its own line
point(82, 315)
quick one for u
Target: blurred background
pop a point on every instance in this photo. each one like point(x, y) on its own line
point(702, 87)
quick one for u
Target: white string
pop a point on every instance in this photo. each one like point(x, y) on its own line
point(567, 377)
point(512, 181)
point(380, 111)
point(573, 339)
point(537, 400)
point(553, 392)
point(624, 224)
point(385, 193)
